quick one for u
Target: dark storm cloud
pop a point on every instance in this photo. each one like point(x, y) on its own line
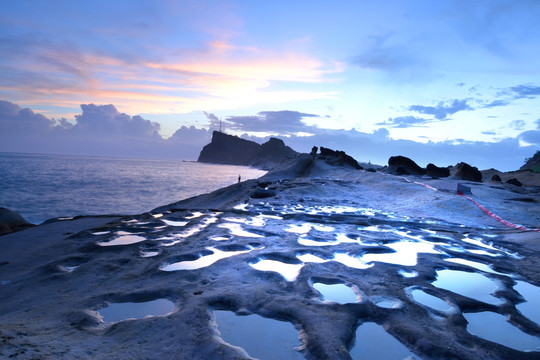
point(405, 122)
point(442, 109)
point(282, 122)
point(526, 90)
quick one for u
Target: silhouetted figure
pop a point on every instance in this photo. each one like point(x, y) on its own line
point(239, 178)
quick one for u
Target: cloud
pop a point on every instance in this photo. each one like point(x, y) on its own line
point(518, 124)
point(442, 110)
point(106, 120)
point(215, 123)
point(526, 91)
point(405, 122)
point(282, 122)
point(23, 130)
point(383, 55)
point(496, 103)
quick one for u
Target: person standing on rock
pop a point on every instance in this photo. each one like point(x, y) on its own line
point(239, 178)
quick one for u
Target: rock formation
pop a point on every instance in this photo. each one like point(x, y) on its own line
point(401, 165)
point(232, 150)
point(338, 158)
point(437, 172)
point(533, 163)
point(465, 171)
point(10, 221)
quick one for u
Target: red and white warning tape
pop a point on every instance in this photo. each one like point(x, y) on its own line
point(482, 207)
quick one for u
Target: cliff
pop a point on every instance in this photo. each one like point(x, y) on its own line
point(232, 150)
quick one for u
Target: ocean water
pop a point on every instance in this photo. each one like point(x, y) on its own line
point(40, 186)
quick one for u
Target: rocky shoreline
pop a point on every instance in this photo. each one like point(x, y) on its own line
point(258, 247)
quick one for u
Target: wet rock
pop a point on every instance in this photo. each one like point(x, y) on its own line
point(465, 171)
point(437, 172)
point(262, 193)
point(336, 157)
point(496, 178)
point(409, 167)
point(10, 221)
point(515, 182)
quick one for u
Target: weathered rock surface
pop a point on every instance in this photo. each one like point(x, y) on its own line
point(339, 158)
point(232, 150)
point(11, 221)
point(329, 223)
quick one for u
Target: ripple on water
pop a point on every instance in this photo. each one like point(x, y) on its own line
point(260, 337)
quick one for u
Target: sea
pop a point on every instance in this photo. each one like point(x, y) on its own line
point(42, 186)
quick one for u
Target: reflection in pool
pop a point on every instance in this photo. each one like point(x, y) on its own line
point(473, 285)
point(531, 307)
point(122, 239)
point(128, 310)
point(260, 337)
point(372, 342)
point(205, 260)
point(339, 293)
point(431, 301)
point(494, 327)
point(288, 271)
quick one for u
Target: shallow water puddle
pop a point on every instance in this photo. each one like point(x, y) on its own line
point(304, 228)
point(174, 223)
point(339, 293)
point(205, 260)
point(475, 264)
point(100, 232)
point(260, 337)
point(254, 221)
point(128, 310)
point(351, 261)
point(237, 230)
point(406, 253)
point(531, 307)
point(310, 258)
point(372, 342)
point(288, 271)
point(473, 285)
point(431, 301)
point(386, 302)
point(124, 238)
point(494, 327)
point(194, 215)
point(408, 273)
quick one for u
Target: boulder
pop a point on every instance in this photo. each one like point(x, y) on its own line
point(515, 182)
point(408, 166)
point(437, 172)
point(336, 157)
point(465, 171)
point(10, 221)
point(496, 178)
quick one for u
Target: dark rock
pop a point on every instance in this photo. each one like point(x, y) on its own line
point(465, 171)
point(411, 168)
point(496, 178)
point(514, 181)
point(262, 193)
point(400, 170)
point(10, 221)
point(232, 150)
point(437, 172)
point(371, 170)
point(336, 157)
point(314, 151)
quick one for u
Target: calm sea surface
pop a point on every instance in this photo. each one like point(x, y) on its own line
point(40, 187)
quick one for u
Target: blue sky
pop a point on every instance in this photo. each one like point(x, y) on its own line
point(460, 78)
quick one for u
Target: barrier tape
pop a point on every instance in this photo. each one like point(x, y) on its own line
point(495, 216)
point(480, 206)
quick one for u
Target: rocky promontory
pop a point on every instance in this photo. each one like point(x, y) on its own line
point(232, 150)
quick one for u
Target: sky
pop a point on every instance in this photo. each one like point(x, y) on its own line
point(437, 81)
